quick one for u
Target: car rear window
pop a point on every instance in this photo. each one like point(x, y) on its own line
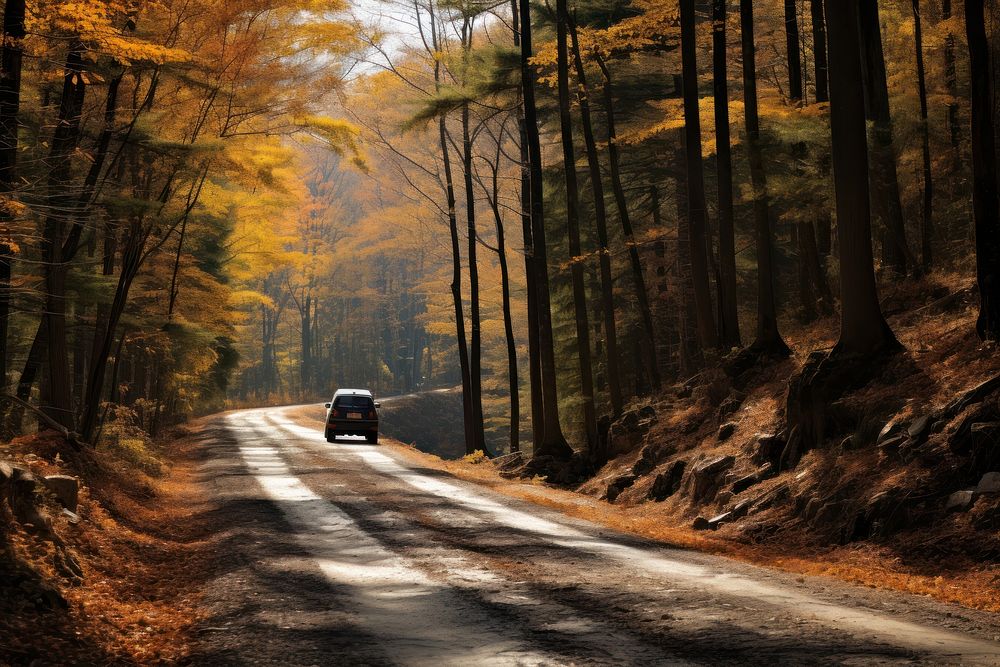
point(360, 402)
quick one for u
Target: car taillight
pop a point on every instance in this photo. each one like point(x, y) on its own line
point(334, 413)
point(371, 414)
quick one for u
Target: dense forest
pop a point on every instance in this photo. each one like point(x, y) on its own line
point(559, 207)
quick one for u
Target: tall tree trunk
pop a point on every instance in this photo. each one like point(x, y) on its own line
point(573, 232)
point(64, 141)
point(534, 369)
point(768, 339)
point(691, 354)
point(951, 82)
point(305, 365)
point(729, 325)
point(618, 189)
point(456, 258)
point(819, 51)
point(508, 320)
point(10, 104)
point(793, 53)
point(553, 442)
point(601, 223)
point(886, 199)
point(863, 329)
point(697, 208)
point(824, 226)
point(456, 293)
point(475, 340)
point(132, 256)
point(927, 222)
point(985, 203)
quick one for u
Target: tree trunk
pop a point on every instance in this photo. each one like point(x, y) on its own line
point(863, 329)
point(10, 104)
point(131, 262)
point(792, 52)
point(985, 203)
point(951, 82)
point(601, 223)
point(729, 325)
point(534, 370)
point(696, 219)
point(927, 222)
point(553, 442)
point(768, 339)
point(886, 201)
point(573, 232)
point(58, 403)
point(508, 320)
point(618, 189)
point(475, 340)
point(819, 51)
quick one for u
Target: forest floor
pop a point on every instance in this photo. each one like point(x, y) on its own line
point(144, 538)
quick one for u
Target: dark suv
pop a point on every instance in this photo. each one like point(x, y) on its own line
point(352, 412)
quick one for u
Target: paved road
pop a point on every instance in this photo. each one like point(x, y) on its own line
point(348, 554)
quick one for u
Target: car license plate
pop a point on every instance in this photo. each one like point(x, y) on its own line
point(354, 415)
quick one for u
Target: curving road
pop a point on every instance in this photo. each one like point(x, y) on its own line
point(348, 554)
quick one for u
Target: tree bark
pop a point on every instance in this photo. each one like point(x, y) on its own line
point(475, 338)
point(863, 330)
point(58, 402)
point(618, 189)
point(553, 441)
point(886, 200)
point(601, 223)
point(10, 105)
point(768, 340)
point(793, 53)
point(696, 219)
point(573, 232)
point(534, 369)
point(729, 325)
point(927, 222)
point(819, 51)
point(985, 203)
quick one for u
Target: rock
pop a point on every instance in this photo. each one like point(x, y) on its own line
point(717, 521)
point(66, 489)
point(648, 459)
point(984, 435)
point(667, 482)
point(849, 443)
point(726, 431)
point(770, 499)
point(618, 485)
point(960, 500)
point(706, 475)
point(811, 508)
point(990, 483)
point(701, 523)
point(508, 461)
point(889, 447)
point(766, 471)
point(745, 482)
point(6, 472)
point(741, 509)
point(891, 428)
point(767, 448)
point(920, 428)
point(628, 432)
point(729, 406)
point(647, 412)
point(830, 514)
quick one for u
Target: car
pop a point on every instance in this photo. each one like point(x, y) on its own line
point(352, 412)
